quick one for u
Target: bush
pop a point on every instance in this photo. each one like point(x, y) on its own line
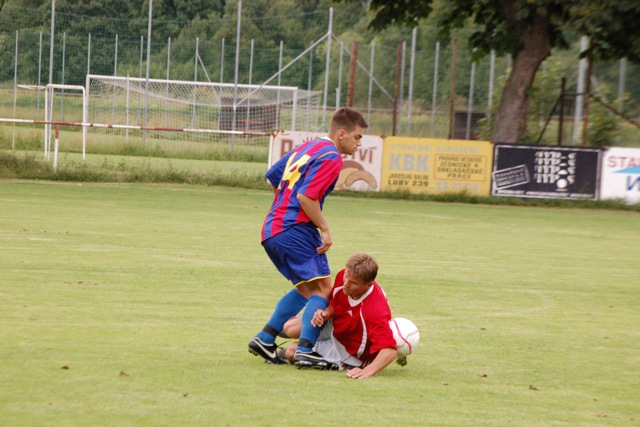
point(603, 126)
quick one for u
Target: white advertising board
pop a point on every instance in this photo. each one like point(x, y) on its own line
point(360, 172)
point(621, 174)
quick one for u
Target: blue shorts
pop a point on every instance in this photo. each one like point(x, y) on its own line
point(294, 254)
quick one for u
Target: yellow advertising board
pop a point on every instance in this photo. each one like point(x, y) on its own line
point(423, 165)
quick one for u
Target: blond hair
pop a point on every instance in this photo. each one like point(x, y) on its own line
point(363, 266)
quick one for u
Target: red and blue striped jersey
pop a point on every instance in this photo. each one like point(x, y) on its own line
point(312, 169)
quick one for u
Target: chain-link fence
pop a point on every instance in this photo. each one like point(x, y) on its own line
point(420, 86)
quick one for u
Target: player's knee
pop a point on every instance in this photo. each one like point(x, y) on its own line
point(292, 327)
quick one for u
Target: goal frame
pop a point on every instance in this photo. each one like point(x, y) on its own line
point(227, 112)
point(48, 118)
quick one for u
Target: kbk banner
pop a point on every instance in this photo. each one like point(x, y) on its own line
point(621, 174)
point(424, 165)
point(360, 172)
point(545, 172)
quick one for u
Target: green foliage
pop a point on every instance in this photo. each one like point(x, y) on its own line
point(529, 30)
point(610, 25)
point(502, 26)
point(186, 10)
point(603, 126)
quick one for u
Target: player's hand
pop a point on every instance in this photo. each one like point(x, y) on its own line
point(326, 242)
point(357, 373)
point(318, 318)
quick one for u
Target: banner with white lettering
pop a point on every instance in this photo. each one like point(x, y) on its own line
point(620, 177)
point(544, 172)
point(425, 165)
point(360, 171)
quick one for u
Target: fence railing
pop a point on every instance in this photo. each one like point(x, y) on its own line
point(405, 89)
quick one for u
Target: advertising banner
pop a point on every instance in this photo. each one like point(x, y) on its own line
point(424, 165)
point(360, 172)
point(620, 177)
point(545, 172)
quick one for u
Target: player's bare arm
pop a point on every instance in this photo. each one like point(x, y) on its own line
point(314, 212)
point(382, 360)
point(321, 316)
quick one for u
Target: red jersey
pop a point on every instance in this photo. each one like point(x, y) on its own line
point(361, 326)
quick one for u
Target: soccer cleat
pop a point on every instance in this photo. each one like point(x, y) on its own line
point(312, 360)
point(268, 352)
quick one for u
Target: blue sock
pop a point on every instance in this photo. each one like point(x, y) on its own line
point(288, 306)
point(309, 334)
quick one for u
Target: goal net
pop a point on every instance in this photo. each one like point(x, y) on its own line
point(196, 111)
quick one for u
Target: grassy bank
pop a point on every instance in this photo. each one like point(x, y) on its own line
point(249, 175)
point(117, 168)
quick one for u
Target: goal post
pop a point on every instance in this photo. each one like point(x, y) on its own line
point(75, 115)
point(48, 117)
point(201, 111)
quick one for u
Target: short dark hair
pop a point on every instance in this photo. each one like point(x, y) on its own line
point(363, 266)
point(347, 118)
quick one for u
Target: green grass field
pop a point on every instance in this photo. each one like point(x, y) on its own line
point(132, 304)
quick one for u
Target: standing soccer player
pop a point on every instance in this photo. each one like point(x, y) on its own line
point(296, 235)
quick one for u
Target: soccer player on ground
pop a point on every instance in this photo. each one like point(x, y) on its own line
point(296, 235)
point(356, 335)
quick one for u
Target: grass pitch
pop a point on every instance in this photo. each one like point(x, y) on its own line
point(129, 304)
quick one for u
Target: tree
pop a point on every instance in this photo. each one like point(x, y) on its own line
point(526, 29)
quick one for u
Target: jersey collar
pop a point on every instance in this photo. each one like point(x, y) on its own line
point(354, 302)
point(329, 139)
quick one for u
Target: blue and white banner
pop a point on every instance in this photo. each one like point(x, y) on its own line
point(621, 174)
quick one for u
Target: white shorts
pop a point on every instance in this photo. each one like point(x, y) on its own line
point(333, 351)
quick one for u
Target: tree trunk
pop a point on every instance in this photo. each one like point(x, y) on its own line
point(510, 121)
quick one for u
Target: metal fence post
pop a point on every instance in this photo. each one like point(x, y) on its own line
point(39, 70)
point(582, 69)
point(15, 91)
point(621, 83)
point(89, 55)
point(64, 54)
point(279, 84)
point(492, 68)
point(222, 62)
point(472, 79)
point(246, 125)
point(402, 71)
point(434, 96)
point(414, 35)
point(371, 65)
point(235, 77)
point(339, 88)
point(327, 67)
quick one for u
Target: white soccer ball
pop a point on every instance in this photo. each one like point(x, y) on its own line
point(406, 334)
